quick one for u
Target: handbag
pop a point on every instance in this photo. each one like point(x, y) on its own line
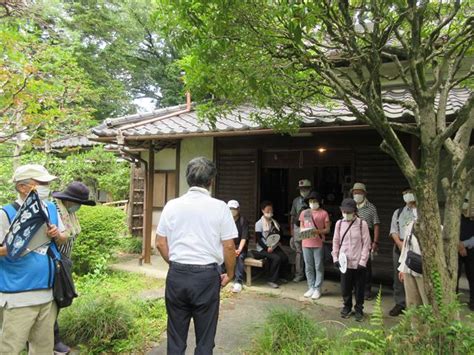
point(64, 290)
point(413, 260)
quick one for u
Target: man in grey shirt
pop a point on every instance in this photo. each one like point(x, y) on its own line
point(401, 220)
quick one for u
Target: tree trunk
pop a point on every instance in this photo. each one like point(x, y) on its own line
point(438, 278)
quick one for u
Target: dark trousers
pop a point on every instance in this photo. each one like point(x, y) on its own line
point(57, 338)
point(353, 279)
point(468, 262)
point(240, 267)
point(192, 292)
point(368, 278)
point(277, 261)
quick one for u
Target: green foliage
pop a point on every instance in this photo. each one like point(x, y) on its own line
point(131, 245)
point(420, 331)
point(102, 228)
point(97, 168)
point(109, 318)
point(290, 333)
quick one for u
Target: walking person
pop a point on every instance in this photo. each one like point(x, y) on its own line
point(368, 212)
point(466, 250)
point(68, 202)
point(317, 219)
point(275, 255)
point(351, 245)
point(402, 218)
point(195, 235)
point(298, 205)
point(26, 294)
point(240, 244)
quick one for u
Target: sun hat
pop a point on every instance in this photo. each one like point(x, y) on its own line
point(75, 192)
point(32, 171)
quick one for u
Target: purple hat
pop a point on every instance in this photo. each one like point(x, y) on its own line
point(75, 192)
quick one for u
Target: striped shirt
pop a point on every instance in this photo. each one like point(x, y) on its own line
point(368, 212)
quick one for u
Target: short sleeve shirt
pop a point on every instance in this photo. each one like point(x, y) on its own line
point(296, 207)
point(195, 225)
point(319, 217)
point(368, 212)
point(401, 222)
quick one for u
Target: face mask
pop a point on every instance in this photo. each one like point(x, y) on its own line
point(268, 215)
point(304, 193)
point(408, 197)
point(465, 206)
point(314, 205)
point(73, 208)
point(43, 191)
point(348, 216)
point(359, 198)
point(235, 213)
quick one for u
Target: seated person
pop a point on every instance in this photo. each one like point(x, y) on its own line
point(276, 257)
point(240, 244)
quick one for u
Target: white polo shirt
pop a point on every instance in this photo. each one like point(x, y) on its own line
point(195, 225)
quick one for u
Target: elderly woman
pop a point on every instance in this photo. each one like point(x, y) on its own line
point(275, 255)
point(351, 243)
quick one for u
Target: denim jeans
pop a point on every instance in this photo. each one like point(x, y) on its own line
point(314, 267)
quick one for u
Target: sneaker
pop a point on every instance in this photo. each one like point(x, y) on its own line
point(359, 316)
point(237, 287)
point(61, 348)
point(316, 295)
point(368, 297)
point(298, 278)
point(396, 311)
point(272, 285)
point(282, 281)
point(345, 312)
point(309, 293)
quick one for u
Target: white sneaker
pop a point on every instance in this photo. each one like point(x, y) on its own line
point(309, 293)
point(316, 295)
point(237, 287)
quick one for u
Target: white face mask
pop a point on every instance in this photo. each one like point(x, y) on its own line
point(359, 198)
point(268, 215)
point(314, 205)
point(43, 191)
point(465, 206)
point(408, 197)
point(348, 216)
point(304, 193)
point(235, 213)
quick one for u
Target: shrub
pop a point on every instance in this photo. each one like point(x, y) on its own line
point(291, 333)
point(131, 245)
point(102, 228)
point(96, 321)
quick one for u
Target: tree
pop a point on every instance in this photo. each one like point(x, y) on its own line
point(120, 47)
point(287, 56)
point(42, 88)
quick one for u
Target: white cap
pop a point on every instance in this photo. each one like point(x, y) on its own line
point(32, 171)
point(233, 204)
point(304, 183)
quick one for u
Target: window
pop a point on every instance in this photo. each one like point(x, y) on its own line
point(164, 188)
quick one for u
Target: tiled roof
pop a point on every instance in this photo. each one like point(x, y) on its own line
point(173, 122)
point(73, 142)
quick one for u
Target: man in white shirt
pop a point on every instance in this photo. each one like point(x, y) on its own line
point(195, 236)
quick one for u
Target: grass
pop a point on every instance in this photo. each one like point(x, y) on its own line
point(110, 316)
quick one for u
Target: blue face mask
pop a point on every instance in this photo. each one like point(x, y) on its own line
point(73, 208)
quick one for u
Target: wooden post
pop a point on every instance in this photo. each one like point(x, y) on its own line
point(148, 212)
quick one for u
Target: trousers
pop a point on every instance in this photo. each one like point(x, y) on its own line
point(192, 292)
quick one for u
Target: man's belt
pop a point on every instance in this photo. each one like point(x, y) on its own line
point(180, 266)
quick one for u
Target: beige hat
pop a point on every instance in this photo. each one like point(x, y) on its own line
point(32, 171)
point(359, 186)
point(304, 183)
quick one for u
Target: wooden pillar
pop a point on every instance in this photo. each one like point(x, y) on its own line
point(148, 211)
